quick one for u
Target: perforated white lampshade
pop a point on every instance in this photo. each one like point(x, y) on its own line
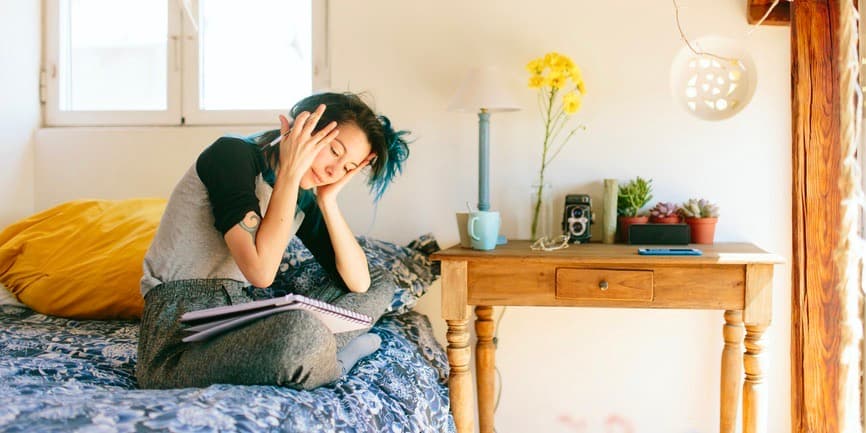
point(483, 88)
point(713, 88)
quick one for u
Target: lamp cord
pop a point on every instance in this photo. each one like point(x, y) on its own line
point(704, 53)
point(689, 44)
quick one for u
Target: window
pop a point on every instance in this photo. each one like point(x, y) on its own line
point(173, 62)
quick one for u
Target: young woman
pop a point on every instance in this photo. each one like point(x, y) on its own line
point(225, 228)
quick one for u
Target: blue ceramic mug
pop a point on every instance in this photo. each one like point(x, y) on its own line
point(483, 228)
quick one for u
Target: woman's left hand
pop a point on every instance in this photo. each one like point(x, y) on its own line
point(330, 191)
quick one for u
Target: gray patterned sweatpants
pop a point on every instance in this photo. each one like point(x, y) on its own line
point(292, 348)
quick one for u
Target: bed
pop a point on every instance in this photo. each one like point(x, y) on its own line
point(60, 375)
point(67, 375)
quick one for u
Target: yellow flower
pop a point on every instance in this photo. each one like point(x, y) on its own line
point(570, 103)
point(581, 87)
point(535, 67)
point(536, 81)
point(576, 74)
point(552, 59)
point(557, 81)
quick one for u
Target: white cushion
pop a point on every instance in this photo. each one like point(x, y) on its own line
point(7, 298)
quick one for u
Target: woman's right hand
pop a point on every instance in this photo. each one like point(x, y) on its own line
point(299, 145)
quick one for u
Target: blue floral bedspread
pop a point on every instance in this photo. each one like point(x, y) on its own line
point(60, 375)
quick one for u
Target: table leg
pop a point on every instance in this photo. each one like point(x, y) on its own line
point(732, 370)
point(460, 380)
point(757, 315)
point(485, 367)
point(754, 388)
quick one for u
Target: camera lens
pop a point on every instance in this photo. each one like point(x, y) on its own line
point(577, 228)
point(577, 212)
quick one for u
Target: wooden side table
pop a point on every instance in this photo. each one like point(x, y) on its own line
point(734, 277)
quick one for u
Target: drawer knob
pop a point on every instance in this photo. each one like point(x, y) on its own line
point(602, 285)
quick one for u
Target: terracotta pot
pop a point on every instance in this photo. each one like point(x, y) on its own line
point(673, 219)
point(624, 222)
point(703, 230)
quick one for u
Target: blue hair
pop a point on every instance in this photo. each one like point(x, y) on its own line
point(389, 163)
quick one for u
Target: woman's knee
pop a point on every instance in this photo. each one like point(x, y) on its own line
point(308, 353)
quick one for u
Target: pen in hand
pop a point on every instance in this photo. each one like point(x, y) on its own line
point(277, 140)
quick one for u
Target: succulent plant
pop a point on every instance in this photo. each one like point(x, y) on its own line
point(664, 209)
point(633, 196)
point(695, 208)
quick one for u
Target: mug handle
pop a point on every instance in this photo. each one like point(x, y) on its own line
point(472, 228)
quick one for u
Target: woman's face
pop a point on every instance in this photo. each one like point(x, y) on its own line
point(337, 158)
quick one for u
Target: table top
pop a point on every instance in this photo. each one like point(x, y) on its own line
point(735, 253)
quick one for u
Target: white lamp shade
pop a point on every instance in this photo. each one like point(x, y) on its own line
point(711, 88)
point(483, 88)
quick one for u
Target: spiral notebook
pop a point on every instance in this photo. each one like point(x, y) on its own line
point(213, 321)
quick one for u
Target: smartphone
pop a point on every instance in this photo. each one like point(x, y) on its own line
point(669, 251)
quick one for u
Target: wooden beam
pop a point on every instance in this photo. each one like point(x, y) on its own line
point(821, 44)
point(780, 16)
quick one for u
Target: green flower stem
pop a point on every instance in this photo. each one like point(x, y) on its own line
point(559, 121)
point(541, 107)
point(547, 131)
point(562, 145)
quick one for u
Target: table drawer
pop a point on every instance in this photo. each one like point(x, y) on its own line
point(604, 284)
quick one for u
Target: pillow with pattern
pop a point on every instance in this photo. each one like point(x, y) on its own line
point(410, 267)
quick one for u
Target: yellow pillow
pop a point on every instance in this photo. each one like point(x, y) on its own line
point(81, 259)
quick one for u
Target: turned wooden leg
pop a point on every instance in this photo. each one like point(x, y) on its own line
point(732, 370)
point(460, 380)
point(485, 367)
point(757, 315)
point(754, 388)
point(456, 313)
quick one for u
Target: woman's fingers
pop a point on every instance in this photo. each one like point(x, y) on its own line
point(326, 139)
point(304, 144)
point(284, 125)
point(313, 120)
point(324, 132)
point(297, 125)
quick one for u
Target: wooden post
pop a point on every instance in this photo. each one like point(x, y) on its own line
point(823, 47)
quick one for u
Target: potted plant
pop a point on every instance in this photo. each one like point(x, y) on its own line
point(665, 213)
point(701, 216)
point(632, 197)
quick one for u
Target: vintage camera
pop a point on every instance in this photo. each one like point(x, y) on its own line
point(577, 218)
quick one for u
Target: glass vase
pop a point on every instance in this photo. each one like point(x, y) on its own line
point(540, 211)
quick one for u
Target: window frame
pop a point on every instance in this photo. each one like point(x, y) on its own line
point(182, 83)
point(50, 78)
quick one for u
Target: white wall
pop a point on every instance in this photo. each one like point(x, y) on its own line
point(659, 369)
point(20, 25)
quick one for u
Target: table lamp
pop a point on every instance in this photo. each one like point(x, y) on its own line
point(483, 90)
